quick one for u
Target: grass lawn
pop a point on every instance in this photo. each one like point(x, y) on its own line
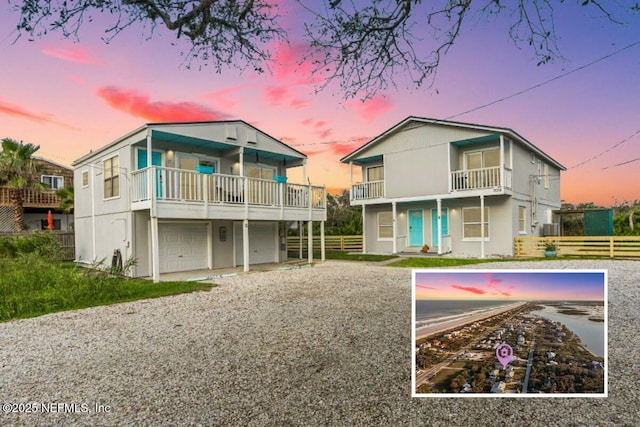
point(31, 286)
point(428, 262)
point(346, 256)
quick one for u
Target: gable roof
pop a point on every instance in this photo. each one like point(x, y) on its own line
point(158, 126)
point(429, 121)
point(60, 165)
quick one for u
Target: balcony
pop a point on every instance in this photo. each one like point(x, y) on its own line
point(480, 179)
point(367, 190)
point(32, 198)
point(181, 193)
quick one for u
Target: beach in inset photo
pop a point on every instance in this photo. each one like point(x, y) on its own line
point(509, 333)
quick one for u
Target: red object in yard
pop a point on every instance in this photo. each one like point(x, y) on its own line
point(50, 221)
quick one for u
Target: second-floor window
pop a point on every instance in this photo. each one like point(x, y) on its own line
point(483, 159)
point(546, 175)
point(111, 177)
point(375, 173)
point(54, 182)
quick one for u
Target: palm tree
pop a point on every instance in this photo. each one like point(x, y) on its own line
point(18, 170)
point(66, 200)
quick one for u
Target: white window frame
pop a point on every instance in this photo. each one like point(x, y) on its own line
point(85, 174)
point(486, 221)
point(112, 176)
point(366, 172)
point(481, 151)
point(546, 175)
point(533, 158)
point(261, 166)
point(52, 178)
point(378, 225)
point(522, 219)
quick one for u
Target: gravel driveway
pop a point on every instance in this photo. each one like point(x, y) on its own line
point(329, 345)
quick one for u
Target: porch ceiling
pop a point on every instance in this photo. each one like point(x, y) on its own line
point(478, 140)
point(249, 152)
point(367, 160)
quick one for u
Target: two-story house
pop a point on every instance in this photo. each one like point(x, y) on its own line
point(191, 196)
point(37, 202)
point(457, 188)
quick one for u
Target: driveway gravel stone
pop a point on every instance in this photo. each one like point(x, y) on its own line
point(328, 345)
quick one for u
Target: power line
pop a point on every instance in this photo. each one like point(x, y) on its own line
point(614, 146)
point(621, 164)
point(560, 76)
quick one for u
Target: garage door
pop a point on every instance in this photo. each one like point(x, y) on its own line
point(183, 247)
point(262, 243)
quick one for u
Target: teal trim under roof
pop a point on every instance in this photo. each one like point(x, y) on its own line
point(479, 140)
point(250, 154)
point(368, 160)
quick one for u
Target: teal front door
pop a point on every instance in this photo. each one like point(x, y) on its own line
point(415, 227)
point(434, 225)
point(156, 160)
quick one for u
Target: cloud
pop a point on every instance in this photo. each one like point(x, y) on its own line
point(289, 64)
point(75, 79)
point(342, 148)
point(275, 95)
point(298, 103)
point(139, 105)
point(72, 53)
point(426, 287)
point(19, 112)
point(324, 133)
point(494, 283)
point(371, 109)
point(469, 289)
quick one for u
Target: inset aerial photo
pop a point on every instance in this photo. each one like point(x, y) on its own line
point(509, 333)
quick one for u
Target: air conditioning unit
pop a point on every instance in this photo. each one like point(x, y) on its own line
point(551, 229)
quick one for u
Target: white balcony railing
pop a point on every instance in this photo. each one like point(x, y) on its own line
point(476, 179)
point(189, 186)
point(367, 190)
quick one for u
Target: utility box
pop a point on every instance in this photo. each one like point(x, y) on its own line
point(598, 222)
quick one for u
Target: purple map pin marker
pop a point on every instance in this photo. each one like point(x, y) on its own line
point(504, 353)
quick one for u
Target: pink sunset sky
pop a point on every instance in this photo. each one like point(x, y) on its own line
point(514, 286)
point(71, 97)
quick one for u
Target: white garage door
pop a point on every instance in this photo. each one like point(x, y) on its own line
point(183, 247)
point(262, 243)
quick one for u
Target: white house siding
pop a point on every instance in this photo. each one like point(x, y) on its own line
point(112, 231)
point(262, 242)
point(500, 239)
point(410, 169)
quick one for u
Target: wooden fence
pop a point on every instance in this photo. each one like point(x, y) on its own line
point(65, 238)
point(332, 243)
point(596, 246)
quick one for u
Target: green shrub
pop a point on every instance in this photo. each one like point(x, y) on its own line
point(42, 244)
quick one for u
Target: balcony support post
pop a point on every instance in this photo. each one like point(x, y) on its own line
point(501, 161)
point(439, 206)
point(394, 223)
point(364, 227)
point(300, 237)
point(322, 244)
point(482, 226)
point(155, 250)
point(310, 242)
point(245, 245)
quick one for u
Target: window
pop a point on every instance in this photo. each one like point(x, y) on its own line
point(54, 182)
point(85, 179)
point(261, 172)
point(546, 175)
point(111, 177)
point(483, 159)
point(533, 158)
point(471, 223)
point(375, 173)
point(522, 219)
point(385, 226)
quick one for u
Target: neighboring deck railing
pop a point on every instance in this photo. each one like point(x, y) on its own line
point(588, 246)
point(367, 190)
point(477, 179)
point(31, 198)
point(188, 186)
